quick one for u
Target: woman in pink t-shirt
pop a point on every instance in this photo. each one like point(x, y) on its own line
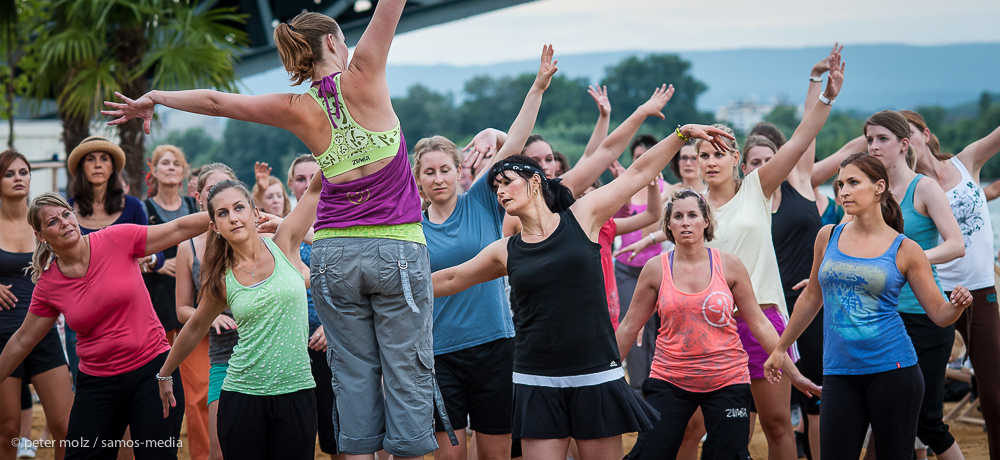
point(699, 360)
point(94, 280)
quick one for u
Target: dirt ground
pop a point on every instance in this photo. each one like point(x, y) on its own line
point(970, 437)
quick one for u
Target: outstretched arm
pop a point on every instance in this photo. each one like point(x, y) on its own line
point(600, 95)
point(163, 236)
point(192, 333)
point(917, 269)
point(293, 229)
point(521, 128)
point(828, 167)
point(992, 191)
point(761, 328)
point(801, 175)
point(489, 264)
point(952, 246)
point(647, 289)
point(587, 170)
point(979, 152)
point(652, 215)
point(598, 206)
point(774, 172)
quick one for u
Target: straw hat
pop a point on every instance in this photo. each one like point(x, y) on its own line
point(95, 144)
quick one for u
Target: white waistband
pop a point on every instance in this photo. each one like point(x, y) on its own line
point(571, 381)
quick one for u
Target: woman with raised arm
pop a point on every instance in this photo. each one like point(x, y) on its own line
point(369, 254)
point(744, 209)
point(473, 331)
point(95, 282)
point(699, 360)
point(222, 336)
point(565, 355)
point(869, 364)
point(958, 175)
point(45, 364)
point(269, 192)
point(267, 408)
point(927, 219)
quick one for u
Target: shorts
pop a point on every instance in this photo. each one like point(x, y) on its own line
point(588, 412)
point(378, 293)
point(47, 355)
point(215, 378)
point(476, 384)
point(275, 426)
point(755, 352)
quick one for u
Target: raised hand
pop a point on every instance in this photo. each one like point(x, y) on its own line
point(484, 145)
point(660, 97)
point(129, 109)
point(836, 79)
point(616, 169)
point(823, 66)
point(547, 69)
point(709, 133)
point(261, 173)
point(600, 95)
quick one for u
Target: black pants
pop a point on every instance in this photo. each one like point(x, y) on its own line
point(933, 345)
point(979, 325)
point(104, 406)
point(324, 401)
point(268, 427)
point(726, 421)
point(889, 401)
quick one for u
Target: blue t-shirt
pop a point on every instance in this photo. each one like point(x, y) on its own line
point(305, 253)
point(863, 331)
point(922, 230)
point(480, 314)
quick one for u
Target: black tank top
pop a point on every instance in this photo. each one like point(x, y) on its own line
point(564, 327)
point(794, 227)
point(12, 265)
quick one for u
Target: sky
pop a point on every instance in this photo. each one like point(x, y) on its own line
point(585, 26)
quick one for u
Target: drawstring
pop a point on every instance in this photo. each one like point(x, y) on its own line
point(328, 87)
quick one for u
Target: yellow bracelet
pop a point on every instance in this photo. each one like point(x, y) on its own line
point(681, 136)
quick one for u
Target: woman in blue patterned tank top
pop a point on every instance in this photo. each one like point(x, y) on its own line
point(870, 366)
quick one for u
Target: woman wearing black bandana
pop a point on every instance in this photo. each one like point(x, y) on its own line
point(568, 380)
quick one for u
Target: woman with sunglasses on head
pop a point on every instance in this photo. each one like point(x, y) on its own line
point(743, 208)
point(870, 366)
point(958, 175)
point(565, 355)
point(45, 364)
point(95, 282)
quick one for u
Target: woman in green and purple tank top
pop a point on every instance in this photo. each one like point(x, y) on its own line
point(370, 269)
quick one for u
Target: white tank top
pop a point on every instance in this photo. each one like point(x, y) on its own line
point(968, 203)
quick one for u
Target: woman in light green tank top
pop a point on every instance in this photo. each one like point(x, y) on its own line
point(268, 388)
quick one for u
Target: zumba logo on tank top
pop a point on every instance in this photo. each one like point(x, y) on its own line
point(856, 288)
point(352, 143)
point(966, 203)
point(718, 309)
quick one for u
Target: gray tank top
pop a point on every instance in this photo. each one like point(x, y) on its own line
point(220, 346)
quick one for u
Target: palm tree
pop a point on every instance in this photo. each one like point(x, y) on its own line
point(96, 47)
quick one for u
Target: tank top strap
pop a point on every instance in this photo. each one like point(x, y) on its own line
point(327, 87)
point(908, 198)
point(894, 248)
point(715, 256)
point(966, 176)
point(667, 278)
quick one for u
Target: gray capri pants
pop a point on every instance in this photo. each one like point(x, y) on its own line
point(375, 299)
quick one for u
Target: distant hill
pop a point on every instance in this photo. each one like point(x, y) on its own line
point(878, 76)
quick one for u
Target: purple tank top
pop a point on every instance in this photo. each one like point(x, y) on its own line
point(388, 197)
point(651, 251)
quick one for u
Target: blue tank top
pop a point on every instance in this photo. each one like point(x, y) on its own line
point(864, 334)
point(922, 230)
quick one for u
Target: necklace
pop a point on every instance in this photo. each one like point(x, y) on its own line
point(538, 234)
point(251, 272)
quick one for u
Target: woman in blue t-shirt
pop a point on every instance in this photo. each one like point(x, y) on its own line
point(473, 331)
point(869, 364)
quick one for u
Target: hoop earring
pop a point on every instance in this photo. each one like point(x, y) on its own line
point(536, 192)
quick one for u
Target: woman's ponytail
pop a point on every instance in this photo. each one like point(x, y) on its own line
point(891, 212)
point(300, 44)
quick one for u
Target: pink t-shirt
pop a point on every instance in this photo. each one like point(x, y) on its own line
point(698, 347)
point(109, 308)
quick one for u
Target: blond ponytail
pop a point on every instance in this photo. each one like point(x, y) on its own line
point(300, 44)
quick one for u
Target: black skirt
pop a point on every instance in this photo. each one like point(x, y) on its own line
point(588, 412)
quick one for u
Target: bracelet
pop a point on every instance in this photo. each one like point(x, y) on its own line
point(652, 238)
point(152, 260)
point(824, 100)
point(816, 78)
point(680, 135)
point(168, 378)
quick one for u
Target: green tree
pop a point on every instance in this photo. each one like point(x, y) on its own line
point(20, 29)
point(197, 145)
point(631, 81)
point(244, 143)
point(425, 113)
point(95, 47)
point(785, 117)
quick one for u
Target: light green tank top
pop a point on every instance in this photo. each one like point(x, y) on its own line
point(272, 318)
